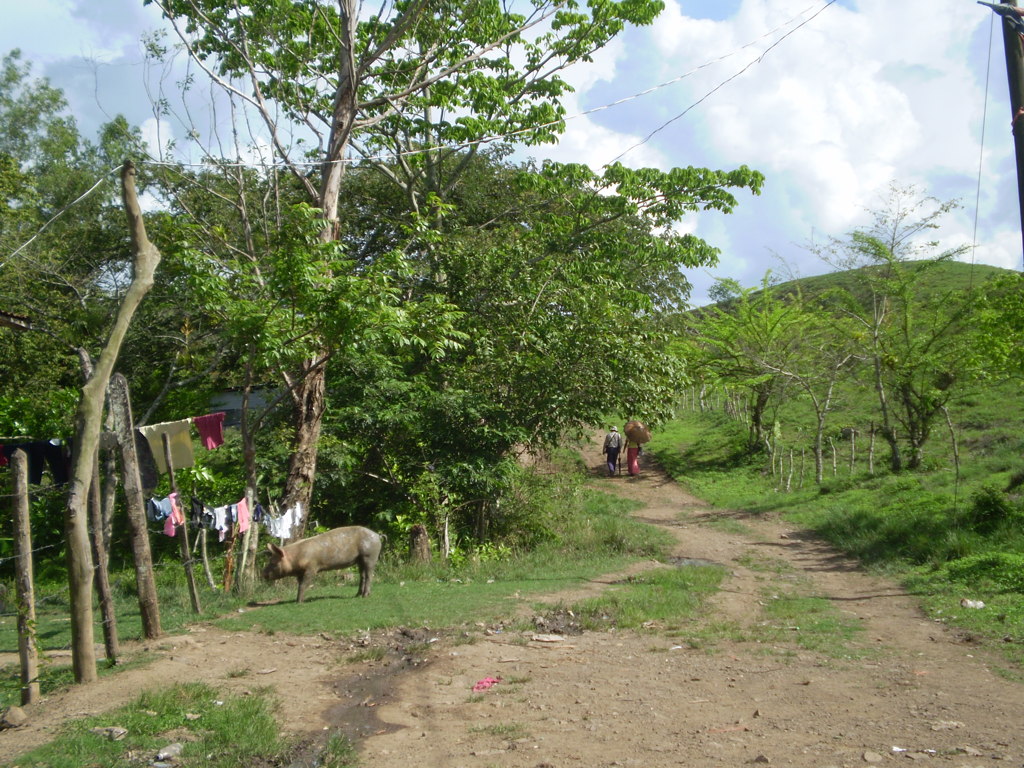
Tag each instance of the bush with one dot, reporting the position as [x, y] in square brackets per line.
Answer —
[990, 508]
[999, 571]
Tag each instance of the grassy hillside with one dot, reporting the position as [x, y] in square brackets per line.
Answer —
[952, 530]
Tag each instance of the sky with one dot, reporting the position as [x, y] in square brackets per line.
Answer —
[832, 100]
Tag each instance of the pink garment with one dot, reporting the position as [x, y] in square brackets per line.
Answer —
[211, 429]
[242, 515]
[176, 518]
[631, 453]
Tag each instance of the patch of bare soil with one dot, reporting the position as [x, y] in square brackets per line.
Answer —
[554, 697]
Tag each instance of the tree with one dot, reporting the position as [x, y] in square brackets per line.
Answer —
[919, 340]
[825, 347]
[750, 341]
[409, 75]
[87, 437]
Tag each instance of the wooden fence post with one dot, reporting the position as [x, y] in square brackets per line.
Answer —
[186, 554]
[27, 651]
[145, 584]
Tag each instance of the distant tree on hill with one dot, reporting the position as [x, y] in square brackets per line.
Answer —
[920, 344]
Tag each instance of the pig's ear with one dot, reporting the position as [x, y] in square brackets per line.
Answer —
[274, 549]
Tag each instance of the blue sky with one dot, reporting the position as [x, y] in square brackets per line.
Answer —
[860, 93]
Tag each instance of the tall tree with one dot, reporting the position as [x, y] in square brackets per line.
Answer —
[321, 69]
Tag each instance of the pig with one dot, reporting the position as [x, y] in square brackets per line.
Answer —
[339, 548]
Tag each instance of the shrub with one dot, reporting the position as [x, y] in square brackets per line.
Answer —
[990, 508]
[1001, 571]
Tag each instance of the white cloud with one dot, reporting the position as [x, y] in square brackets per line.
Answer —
[866, 92]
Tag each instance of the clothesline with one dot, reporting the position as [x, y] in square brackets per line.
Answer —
[55, 453]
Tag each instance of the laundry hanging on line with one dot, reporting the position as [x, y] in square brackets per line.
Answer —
[179, 440]
[41, 454]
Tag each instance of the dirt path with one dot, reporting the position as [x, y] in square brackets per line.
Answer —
[915, 690]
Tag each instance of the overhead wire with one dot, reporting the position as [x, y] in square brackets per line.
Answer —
[981, 149]
[61, 212]
[722, 84]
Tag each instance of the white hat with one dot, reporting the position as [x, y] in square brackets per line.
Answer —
[615, 429]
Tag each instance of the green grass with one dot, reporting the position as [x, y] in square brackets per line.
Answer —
[668, 598]
[810, 622]
[215, 732]
[945, 536]
[598, 537]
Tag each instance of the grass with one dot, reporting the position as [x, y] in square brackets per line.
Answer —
[668, 598]
[946, 536]
[214, 732]
[811, 622]
[599, 537]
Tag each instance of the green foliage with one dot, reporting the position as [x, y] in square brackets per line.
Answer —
[222, 730]
[991, 508]
[989, 571]
[668, 597]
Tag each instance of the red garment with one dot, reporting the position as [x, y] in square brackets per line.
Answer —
[631, 453]
[211, 429]
[242, 516]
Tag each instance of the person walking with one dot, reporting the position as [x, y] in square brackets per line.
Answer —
[633, 450]
[612, 446]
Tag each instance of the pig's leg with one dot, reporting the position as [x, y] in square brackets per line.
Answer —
[305, 579]
[365, 576]
[364, 586]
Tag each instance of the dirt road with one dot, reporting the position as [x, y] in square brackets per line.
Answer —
[914, 690]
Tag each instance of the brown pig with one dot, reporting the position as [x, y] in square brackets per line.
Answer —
[340, 548]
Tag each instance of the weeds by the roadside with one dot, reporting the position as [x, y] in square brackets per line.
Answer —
[948, 536]
[664, 597]
[212, 731]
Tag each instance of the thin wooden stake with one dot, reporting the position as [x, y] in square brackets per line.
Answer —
[186, 555]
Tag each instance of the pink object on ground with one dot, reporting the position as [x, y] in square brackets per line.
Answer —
[486, 683]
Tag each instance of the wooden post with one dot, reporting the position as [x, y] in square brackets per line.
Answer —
[1015, 79]
[99, 552]
[853, 450]
[186, 555]
[145, 583]
[27, 651]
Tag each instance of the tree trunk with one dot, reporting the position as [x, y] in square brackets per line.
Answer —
[419, 544]
[309, 406]
[87, 435]
[302, 465]
[106, 598]
[819, 459]
[247, 570]
[99, 548]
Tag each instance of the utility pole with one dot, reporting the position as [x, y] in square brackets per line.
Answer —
[1013, 30]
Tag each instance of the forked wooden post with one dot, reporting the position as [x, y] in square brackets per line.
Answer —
[186, 554]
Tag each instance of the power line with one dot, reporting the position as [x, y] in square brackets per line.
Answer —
[721, 85]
